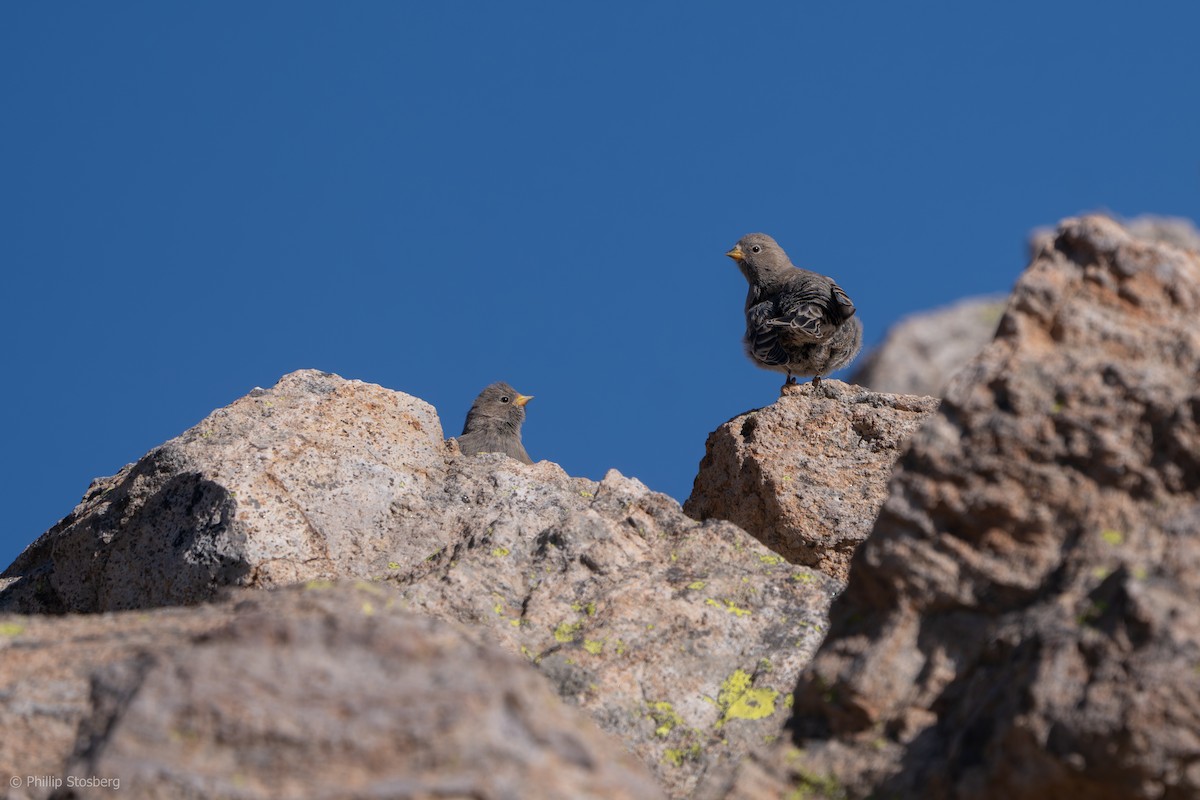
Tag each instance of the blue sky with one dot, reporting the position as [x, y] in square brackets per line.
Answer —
[199, 198]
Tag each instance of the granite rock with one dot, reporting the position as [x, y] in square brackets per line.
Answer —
[319, 691]
[808, 474]
[680, 638]
[316, 477]
[1020, 623]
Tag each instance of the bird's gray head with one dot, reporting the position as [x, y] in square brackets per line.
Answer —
[497, 406]
[759, 257]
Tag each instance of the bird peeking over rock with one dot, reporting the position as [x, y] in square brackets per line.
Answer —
[797, 322]
[494, 423]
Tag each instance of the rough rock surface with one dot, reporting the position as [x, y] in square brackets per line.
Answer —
[315, 477]
[808, 474]
[679, 637]
[1021, 622]
[922, 352]
[46, 668]
[1175, 231]
[324, 691]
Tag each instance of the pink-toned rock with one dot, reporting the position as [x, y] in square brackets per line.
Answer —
[807, 475]
[1021, 622]
[329, 691]
[922, 352]
[315, 477]
[680, 638]
[46, 669]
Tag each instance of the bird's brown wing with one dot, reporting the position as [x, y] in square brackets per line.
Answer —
[762, 334]
[842, 305]
[812, 307]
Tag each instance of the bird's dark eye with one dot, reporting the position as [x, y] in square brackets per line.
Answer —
[755, 249]
[505, 399]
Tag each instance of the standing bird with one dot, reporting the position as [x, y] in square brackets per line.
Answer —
[797, 322]
[494, 423]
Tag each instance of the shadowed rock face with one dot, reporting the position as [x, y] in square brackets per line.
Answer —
[313, 478]
[682, 638]
[807, 475]
[325, 691]
[1021, 622]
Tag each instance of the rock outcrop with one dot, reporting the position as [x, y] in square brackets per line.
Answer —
[922, 352]
[682, 638]
[318, 691]
[317, 477]
[808, 474]
[1021, 622]
[1175, 231]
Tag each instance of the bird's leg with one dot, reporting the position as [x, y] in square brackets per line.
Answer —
[790, 381]
[816, 381]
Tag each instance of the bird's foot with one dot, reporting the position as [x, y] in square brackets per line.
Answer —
[816, 381]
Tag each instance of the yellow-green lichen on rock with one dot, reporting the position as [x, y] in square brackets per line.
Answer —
[675, 756]
[739, 699]
[567, 631]
[11, 628]
[811, 786]
[729, 606]
[666, 717]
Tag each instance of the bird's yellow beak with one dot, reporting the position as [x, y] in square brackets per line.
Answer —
[522, 399]
[736, 253]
